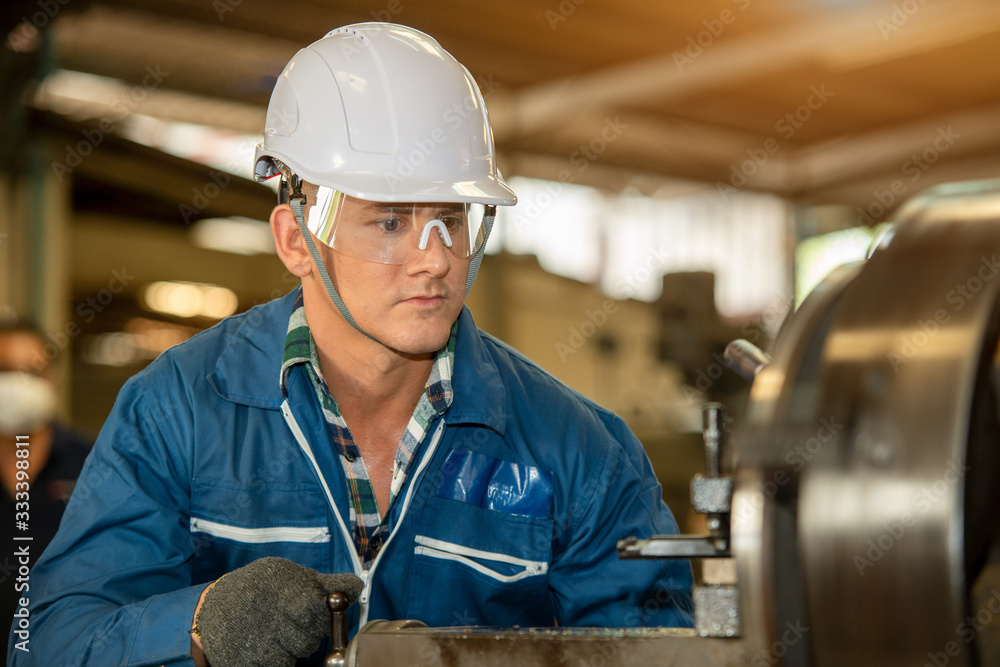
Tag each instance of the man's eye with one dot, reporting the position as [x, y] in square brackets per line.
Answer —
[391, 225]
[453, 221]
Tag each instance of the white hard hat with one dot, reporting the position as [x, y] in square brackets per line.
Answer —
[381, 112]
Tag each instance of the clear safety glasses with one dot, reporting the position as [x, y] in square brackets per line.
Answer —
[394, 233]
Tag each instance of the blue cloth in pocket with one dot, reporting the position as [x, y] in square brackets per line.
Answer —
[494, 484]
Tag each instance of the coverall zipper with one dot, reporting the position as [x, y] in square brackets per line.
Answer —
[365, 575]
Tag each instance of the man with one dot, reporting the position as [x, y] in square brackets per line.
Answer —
[40, 457]
[361, 425]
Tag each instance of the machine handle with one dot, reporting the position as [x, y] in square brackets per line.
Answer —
[745, 358]
[337, 604]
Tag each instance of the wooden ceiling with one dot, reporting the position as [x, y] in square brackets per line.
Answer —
[824, 101]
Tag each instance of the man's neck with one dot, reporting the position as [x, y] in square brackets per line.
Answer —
[365, 377]
[382, 384]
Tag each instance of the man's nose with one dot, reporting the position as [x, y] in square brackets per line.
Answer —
[432, 249]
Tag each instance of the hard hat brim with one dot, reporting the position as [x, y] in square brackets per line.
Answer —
[378, 187]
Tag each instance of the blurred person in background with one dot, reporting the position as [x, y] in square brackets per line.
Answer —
[359, 434]
[49, 456]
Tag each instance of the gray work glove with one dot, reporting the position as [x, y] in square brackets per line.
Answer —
[268, 613]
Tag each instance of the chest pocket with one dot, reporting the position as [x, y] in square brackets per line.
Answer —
[234, 524]
[481, 555]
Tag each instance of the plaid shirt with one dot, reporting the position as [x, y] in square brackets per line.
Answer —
[366, 524]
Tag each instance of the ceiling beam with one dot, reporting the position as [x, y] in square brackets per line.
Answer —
[875, 198]
[904, 150]
[678, 74]
[671, 146]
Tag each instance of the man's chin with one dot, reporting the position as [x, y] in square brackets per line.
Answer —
[412, 353]
[422, 344]
[415, 333]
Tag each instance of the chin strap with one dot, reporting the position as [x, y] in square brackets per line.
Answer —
[298, 202]
[489, 215]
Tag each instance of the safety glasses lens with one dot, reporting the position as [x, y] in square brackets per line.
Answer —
[393, 233]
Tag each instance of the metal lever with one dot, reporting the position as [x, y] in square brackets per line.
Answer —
[711, 495]
[337, 604]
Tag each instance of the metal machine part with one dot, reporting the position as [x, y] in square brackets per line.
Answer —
[716, 602]
[711, 495]
[383, 646]
[866, 495]
[745, 358]
[863, 518]
[337, 604]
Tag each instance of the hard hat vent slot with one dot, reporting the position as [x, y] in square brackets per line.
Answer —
[366, 95]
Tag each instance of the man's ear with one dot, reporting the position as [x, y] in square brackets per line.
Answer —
[288, 241]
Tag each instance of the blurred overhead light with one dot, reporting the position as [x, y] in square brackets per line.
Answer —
[83, 95]
[185, 299]
[112, 349]
[141, 341]
[242, 236]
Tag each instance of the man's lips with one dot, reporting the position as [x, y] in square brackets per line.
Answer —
[426, 299]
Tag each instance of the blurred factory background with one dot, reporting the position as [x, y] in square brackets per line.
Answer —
[687, 172]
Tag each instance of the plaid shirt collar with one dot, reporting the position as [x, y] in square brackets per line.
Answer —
[366, 522]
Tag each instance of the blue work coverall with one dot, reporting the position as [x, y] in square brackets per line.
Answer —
[509, 515]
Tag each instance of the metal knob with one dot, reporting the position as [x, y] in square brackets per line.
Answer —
[745, 358]
[337, 604]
